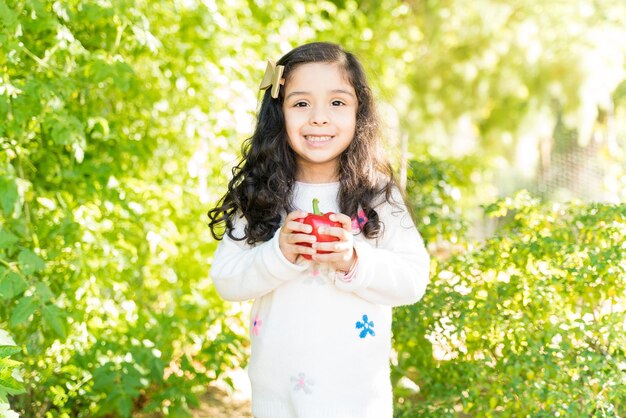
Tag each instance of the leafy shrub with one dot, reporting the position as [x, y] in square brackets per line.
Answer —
[530, 323]
[104, 255]
[441, 194]
[11, 382]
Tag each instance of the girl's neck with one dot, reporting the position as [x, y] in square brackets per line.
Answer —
[317, 176]
[317, 179]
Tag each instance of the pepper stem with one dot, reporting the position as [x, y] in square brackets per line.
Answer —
[316, 207]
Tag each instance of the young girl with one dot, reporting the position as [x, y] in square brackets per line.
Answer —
[321, 321]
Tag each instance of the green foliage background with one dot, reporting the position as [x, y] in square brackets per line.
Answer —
[120, 121]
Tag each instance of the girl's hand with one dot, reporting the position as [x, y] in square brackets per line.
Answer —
[342, 255]
[293, 232]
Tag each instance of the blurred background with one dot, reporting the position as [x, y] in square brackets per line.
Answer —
[120, 122]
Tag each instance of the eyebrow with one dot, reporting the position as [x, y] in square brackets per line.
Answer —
[295, 93]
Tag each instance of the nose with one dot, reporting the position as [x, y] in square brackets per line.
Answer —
[319, 116]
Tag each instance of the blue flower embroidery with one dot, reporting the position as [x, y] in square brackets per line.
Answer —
[365, 327]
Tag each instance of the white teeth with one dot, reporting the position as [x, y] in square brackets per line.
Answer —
[318, 138]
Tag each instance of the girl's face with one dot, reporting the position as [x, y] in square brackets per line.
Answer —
[320, 117]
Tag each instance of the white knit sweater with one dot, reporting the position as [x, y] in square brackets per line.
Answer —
[321, 346]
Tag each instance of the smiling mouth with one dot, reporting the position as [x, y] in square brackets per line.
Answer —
[318, 138]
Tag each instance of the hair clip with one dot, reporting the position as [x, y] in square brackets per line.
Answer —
[273, 77]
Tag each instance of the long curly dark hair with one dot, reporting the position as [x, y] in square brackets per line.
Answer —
[261, 188]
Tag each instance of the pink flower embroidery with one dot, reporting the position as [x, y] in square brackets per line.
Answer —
[256, 324]
[359, 220]
[301, 382]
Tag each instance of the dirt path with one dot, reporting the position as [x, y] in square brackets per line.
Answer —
[216, 403]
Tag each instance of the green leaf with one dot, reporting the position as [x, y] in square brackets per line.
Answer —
[24, 309]
[8, 350]
[7, 239]
[66, 129]
[43, 291]
[12, 285]
[54, 317]
[99, 71]
[8, 195]
[7, 363]
[28, 104]
[179, 410]
[4, 110]
[8, 17]
[8, 384]
[98, 128]
[104, 378]
[124, 406]
[30, 262]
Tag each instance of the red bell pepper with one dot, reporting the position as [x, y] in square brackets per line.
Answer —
[318, 219]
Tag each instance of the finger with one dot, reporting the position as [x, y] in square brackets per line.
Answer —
[296, 238]
[301, 249]
[335, 247]
[295, 226]
[344, 220]
[292, 225]
[328, 258]
[334, 231]
[296, 214]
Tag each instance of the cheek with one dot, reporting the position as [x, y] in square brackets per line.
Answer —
[290, 120]
[291, 134]
[351, 125]
[290, 130]
[350, 118]
[290, 140]
[293, 124]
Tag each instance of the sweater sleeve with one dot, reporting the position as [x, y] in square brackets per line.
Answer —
[396, 271]
[241, 272]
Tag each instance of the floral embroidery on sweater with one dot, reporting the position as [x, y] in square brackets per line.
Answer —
[366, 327]
[315, 271]
[318, 274]
[256, 325]
[302, 383]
